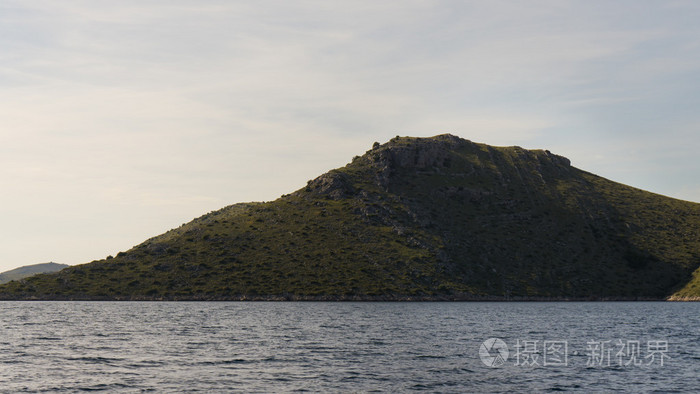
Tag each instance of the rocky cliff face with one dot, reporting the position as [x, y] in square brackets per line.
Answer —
[437, 155]
[334, 185]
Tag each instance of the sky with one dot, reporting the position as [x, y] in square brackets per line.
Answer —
[120, 120]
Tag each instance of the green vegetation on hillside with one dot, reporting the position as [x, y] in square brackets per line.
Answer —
[417, 218]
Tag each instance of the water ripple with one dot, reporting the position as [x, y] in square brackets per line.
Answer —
[336, 347]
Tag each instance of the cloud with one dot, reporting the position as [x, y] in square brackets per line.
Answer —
[131, 117]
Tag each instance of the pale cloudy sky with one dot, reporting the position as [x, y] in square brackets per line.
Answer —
[122, 119]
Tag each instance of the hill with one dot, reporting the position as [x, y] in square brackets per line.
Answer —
[29, 270]
[414, 218]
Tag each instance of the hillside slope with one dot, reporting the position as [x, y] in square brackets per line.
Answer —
[415, 218]
[29, 270]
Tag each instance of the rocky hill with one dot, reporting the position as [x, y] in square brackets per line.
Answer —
[414, 218]
[29, 270]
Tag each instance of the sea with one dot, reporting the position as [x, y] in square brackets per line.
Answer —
[272, 347]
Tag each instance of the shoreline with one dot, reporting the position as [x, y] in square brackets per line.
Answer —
[349, 298]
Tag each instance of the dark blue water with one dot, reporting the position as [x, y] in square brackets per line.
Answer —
[343, 347]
